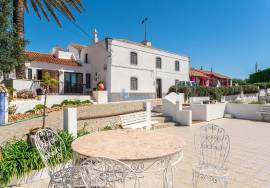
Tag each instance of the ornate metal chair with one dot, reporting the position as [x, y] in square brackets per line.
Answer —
[103, 172]
[212, 146]
[53, 153]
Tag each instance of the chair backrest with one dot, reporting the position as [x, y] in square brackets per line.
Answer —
[213, 146]
[133, 118]
[101, 172]
[51, 148]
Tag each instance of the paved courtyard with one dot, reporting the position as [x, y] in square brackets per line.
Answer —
[249, 160]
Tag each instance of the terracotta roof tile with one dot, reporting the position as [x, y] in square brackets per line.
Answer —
[49, 58]
[194, 72]
[209, 73]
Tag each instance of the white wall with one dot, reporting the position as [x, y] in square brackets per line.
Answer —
[98, 58]
[25, 105]
[172, 107]
[207, 112]
[244, 111]
[145, 70]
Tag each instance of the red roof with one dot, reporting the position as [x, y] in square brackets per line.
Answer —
[212, 74]
[49, 58]
[194, 72]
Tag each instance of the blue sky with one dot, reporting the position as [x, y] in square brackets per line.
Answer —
[228, 35]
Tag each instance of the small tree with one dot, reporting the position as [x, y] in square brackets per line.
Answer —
[47, 82]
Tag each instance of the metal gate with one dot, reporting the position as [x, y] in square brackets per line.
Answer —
[2, 108]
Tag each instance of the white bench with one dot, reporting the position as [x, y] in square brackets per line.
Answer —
[137, 120]
[264, 110]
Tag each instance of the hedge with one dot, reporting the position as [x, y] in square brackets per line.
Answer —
[261, 76]
[263, 85]
[215, 93]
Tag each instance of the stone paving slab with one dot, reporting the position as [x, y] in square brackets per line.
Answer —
[249, 160]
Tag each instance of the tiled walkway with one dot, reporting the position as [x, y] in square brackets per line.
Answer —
[249, 160]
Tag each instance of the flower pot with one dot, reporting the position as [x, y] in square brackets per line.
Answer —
[100, 87]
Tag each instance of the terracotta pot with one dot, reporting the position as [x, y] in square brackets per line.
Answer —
[100, 86]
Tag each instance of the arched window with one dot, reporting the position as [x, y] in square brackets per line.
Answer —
[133, 58]
[158, 63]
[177, 66]
[133, 83]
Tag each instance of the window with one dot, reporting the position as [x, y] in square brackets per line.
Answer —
[158, 63]
[133, 83]
[177, 66]
[133, 58]
[29, 74]
[88, 81]
[86, 58]
[39, 74]
[73, 82]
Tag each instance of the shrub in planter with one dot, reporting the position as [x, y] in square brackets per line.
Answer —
[26, 94]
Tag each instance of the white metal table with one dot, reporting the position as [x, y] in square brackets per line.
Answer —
[144, 150]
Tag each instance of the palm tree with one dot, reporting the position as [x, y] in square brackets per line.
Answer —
[46, 8]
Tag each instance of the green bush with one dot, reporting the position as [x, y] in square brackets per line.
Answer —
[257, 102]
[263, 85]
[250, 89]
[107, 128]
[39, 107]
[86, 102]
[261, 76]
[18, 158]
[70, 102]
[214, 93]
[236, 102]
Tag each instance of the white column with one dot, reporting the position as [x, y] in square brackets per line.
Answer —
[148, 113]
[70, 121]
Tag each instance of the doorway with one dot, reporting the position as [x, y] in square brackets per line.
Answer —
[159, 88]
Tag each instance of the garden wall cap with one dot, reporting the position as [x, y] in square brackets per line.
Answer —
[3, 89]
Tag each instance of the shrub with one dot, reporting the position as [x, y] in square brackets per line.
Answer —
[214, 93]
[250, 89]
[12, 109]
[86, 102]
[107, 128]
[263, 85]
[38, 107]
[18, 158]
[26, 94]
[70, 102]
[236, 102]
[56, 106]
[257, 102]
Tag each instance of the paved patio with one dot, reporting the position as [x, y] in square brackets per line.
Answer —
[249, 160]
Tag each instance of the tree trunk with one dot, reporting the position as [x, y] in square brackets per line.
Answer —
[44, 108]
[18, 21]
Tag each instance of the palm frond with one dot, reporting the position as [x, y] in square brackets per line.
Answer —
[50, 6]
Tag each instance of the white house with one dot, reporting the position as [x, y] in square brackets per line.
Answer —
[74, 77]
[132, 70]
[129, 70]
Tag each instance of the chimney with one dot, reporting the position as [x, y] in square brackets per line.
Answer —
[55, 51]
[211, 69]
[201, 67]
[95, 36]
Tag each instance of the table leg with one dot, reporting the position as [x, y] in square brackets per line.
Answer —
[168, 176]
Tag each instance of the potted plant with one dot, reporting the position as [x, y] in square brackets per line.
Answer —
[100, 86]
[46, 83]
